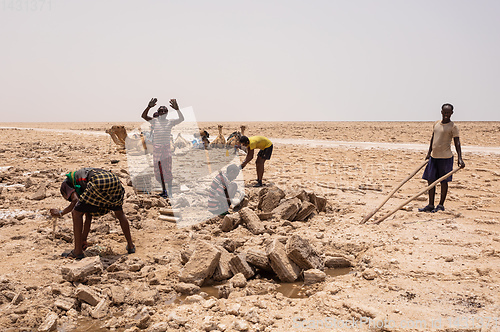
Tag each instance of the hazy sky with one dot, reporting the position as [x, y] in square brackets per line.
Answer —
[331, 60]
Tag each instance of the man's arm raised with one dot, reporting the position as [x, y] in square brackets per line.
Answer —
[151, 104]
[175, 106]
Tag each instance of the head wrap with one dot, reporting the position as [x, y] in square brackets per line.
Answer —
[72, 180]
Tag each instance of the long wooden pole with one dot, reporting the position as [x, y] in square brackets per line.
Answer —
[432, 185]
[368, 216]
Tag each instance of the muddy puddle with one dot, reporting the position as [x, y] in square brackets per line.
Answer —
[299, 290]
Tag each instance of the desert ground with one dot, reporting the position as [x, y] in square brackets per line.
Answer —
[412, 272]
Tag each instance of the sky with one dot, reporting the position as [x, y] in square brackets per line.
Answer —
[259, 60]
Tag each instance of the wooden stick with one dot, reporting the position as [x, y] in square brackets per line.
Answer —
[368, 216]
[168, 218]
[169, 211]
[420, 193]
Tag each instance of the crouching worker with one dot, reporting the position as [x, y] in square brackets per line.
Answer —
[92, 192]
[223, 192]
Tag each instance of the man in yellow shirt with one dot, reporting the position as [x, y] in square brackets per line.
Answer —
[266, 150]
[440, 156]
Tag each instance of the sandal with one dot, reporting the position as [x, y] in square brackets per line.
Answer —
[71, 254]
[428, 208]
[438, 208]
[130, 250]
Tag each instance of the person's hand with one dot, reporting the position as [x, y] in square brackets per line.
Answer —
[173, 104]
[55, 213]
[152, 102]
[242, 166]
[427, 156]
[461, 163]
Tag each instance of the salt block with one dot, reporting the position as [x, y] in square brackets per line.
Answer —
[201, 264]
[288, 209]
[239, 264]
[303, 254]
[283, 266]
[269, 198]
[313, 276]
[252, 221]
[305, 211]
[80, 270]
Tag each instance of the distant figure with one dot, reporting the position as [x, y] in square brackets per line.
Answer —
[266, 150]
[223, 191]
[92, 192]
[440, 156]
[162, 136]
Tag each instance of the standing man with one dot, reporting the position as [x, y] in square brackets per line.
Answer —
[266, 150]
[162, 133]
[441, 158]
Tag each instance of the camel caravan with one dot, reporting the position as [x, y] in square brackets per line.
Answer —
[142, 142]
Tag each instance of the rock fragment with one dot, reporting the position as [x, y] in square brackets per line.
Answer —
[40, 193]
[303, 254]
[65, 303]
[337, 261]
[49, 323]
[252, 221]
[313, 276]
[81, 270]
[269, 198]
[239, 264]
[201, 264]
[87, 294]
[223, 269]
[283, 266]
[258, 258]
[229, 222]
[288, 209]
[186, 289]
[100, 310]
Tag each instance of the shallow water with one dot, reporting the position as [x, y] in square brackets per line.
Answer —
[299, 290]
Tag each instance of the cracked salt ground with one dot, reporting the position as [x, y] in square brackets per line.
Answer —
[403, 269]
[19, 213]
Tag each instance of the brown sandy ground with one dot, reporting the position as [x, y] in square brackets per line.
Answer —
[417, 271]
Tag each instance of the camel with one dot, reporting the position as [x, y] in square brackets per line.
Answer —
[131, 144]
[219, 141]
[234, 138]
[180, 142]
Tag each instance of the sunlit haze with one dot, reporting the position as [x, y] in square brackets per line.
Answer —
[250, 60]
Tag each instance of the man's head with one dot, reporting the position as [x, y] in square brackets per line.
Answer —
[232, 172]
[446, 112]
[66, 190]
[244, 141]
[162, 110]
